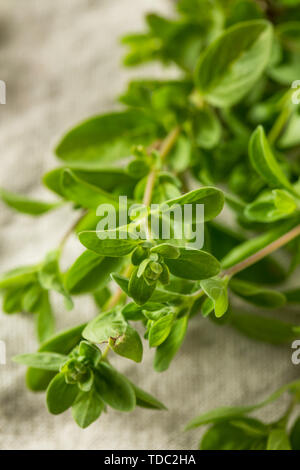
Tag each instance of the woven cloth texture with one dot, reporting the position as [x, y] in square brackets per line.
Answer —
[61, 63]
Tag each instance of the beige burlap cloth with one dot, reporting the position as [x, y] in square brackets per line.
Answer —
[61, 63]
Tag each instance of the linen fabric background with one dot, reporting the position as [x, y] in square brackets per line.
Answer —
[61, 63]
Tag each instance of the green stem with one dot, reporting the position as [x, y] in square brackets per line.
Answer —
[71, 230]
[282, 119]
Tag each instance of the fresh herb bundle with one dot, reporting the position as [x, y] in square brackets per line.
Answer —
[226, 130]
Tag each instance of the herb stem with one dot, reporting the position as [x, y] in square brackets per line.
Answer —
[165, 147]
[149, 188]
[274, 246]
[169, 143]
[71, 230]
[105, 352]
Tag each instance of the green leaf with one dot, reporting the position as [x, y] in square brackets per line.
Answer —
[107, 325]
[206, 129]
[106, 138]
[226, 436]
[168, 349]
[232, 64]
[194, 264]
[295, 435]
[288, 31]
[87, 408]
[268, 330]
[160, 330]
[292, 295]
[270, 207]
[84, 194]
[249, 247]
[290, 136]
[25, 205]
[138, 289]
[101, 297]
[223, 240]
[159, 295]
[264, 162]
[112, 245]
[13, 301]
[128, 345]
[227, 413]
[42, 360]
[45, 318]
[145, 400]
[257, 295]
[216, 290]
[18, 277]
[166, 250]
[62, 343]
[32, 298]
[50, 277]
[211, 198]
[60, 395]
[90, 272]
[278, 440]
[109, 179]
[114, 388]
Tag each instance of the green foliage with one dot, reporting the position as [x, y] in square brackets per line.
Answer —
[231, 65]
[224, 132]
[25, 205]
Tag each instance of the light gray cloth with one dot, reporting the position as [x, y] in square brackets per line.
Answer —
[61, 63]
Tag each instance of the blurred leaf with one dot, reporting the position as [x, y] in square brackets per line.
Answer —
[42, 360]
[245, 50]
[257, 295]
[90, 272]
[138, 289]
[278, 440]
[106, 138]
[107, 325]
[160, 330]
[25, 205]
[207, 129]
[45, 318]
[268, 330]
[295, 435]
[264, 162]
[271, 206]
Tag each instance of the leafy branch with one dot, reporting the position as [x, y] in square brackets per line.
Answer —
[227, 126]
